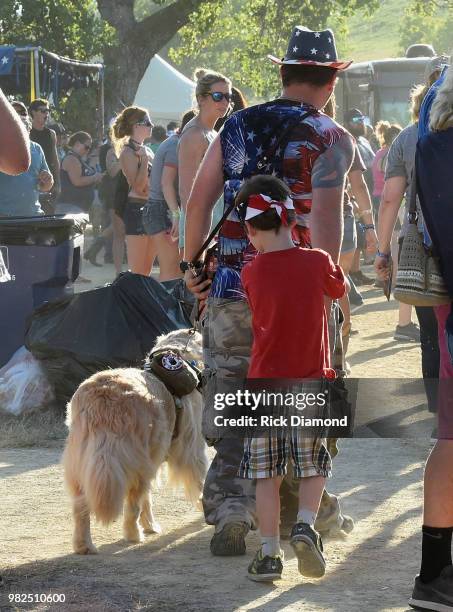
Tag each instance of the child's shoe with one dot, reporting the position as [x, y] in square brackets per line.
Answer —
[307, 545]
[265, 568]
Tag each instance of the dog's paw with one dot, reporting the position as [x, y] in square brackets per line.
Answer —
[133, 534]
[85, 549]
[153, 527]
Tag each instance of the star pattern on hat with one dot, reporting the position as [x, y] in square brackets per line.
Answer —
[5, 60]
[311, 47]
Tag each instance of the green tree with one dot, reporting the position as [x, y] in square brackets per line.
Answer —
[235, 36]
[68, 27]
[85, 29]
[431, 22]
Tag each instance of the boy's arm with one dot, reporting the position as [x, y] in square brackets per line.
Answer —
[334, 279]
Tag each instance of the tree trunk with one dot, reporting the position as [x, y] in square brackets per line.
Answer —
[138, 42]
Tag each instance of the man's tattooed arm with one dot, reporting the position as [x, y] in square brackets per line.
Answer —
[328, 179]
[331, 168]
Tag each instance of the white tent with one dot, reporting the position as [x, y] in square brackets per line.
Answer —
[164, 91]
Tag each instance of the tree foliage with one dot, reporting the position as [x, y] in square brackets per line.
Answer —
[430, 22]
[71, 28]
[235, 36]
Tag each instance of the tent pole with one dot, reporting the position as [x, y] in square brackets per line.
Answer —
[36, 62]
[101, 103]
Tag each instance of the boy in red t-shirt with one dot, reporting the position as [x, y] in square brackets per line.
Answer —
[286, 288]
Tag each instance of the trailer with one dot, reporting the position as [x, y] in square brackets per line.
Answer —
[380, 88]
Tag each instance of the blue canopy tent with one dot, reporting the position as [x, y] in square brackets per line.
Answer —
[33, 72]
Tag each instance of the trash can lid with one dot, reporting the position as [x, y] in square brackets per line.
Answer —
[13, 230]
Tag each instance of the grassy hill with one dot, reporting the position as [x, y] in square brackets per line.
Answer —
[379, 35]
[376, 36]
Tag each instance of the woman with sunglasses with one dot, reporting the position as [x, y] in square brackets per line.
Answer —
[213, 96]
[129, 131]
[78, 179]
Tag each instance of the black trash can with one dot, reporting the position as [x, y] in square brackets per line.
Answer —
[42, 255]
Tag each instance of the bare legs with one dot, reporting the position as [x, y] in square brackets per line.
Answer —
[140, 254]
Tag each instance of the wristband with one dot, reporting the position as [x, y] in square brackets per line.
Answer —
[384, 255]
[367, 226]
[176, 214]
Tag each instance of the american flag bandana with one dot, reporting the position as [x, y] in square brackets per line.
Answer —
[259, 203]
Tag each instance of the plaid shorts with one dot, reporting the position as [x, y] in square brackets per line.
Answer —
[267, 457]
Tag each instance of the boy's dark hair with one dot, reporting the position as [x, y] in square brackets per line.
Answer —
[159, 133]
[272, 187]
[318, 76]
[38, 103]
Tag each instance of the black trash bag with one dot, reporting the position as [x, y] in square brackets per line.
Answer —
[109, 327]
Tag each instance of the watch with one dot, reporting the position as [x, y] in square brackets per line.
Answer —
[190, 265]
[367, 226]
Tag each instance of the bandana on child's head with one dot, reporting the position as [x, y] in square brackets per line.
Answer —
[259, 203]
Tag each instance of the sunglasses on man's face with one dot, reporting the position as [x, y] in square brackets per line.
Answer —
[145, 123]
[218, 96]
[44, 111]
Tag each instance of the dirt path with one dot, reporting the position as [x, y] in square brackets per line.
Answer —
[371, 570]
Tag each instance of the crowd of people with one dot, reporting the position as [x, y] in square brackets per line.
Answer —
[315, 199]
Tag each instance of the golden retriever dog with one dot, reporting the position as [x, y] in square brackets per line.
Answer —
[121, 430]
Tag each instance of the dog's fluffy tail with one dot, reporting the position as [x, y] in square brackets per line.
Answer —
[105, 445]
[187, 459]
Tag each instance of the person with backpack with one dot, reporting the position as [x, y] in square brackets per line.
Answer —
[291, 138]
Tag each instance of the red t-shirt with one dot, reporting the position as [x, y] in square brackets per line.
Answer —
[285, 291]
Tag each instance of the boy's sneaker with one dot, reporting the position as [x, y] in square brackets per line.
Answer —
[230, 541]
[435, 595]
[265, 568]
[307, 545]
[407, 333]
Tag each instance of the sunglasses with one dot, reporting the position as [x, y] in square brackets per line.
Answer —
[44, 111]
[21, 113]
[218, 96]
[358, 119]
[146, 123]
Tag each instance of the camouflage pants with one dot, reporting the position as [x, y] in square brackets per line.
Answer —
[227, 342]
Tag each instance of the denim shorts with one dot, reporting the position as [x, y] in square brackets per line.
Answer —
[156, 217]
[133, 217]
[349, 235]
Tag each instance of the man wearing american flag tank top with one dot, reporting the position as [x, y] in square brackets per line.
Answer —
[290, 138]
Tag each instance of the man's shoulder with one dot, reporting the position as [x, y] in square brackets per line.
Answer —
[407, 134]
[36, 148]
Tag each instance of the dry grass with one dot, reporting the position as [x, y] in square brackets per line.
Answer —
[44, 428]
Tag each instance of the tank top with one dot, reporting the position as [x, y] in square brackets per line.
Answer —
[44, 138]
[70, 193]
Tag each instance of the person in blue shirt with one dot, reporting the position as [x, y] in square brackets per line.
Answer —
[425, 109]
[19, 195]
